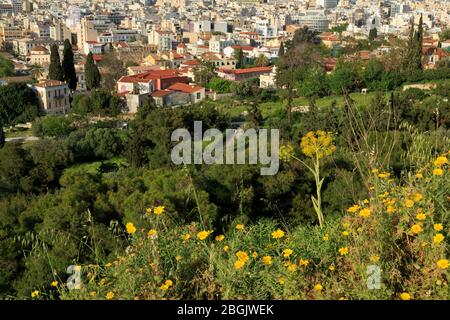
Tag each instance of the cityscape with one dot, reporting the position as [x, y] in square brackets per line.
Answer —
[102, 198]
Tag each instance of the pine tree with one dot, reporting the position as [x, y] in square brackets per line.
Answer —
[68, 66]
[91, 73]
[55, 71]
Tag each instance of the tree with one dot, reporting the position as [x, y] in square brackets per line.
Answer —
[238, 55]
[445, 35]
[6, 67]
[373, 73]
[281, 50]
[55, 71]
[51, 126]
[261, 61]
[412, 59]
[68, 67]
[288, 67]
[373, 33]
[418, 45]
[91, 73]
[344, 78]
[204, 73]
[305, 35]
[113, 69]
[18, 104]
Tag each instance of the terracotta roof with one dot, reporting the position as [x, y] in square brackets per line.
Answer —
[97, 57]
[190, 63]
[244, 48]
[161, 93]
[246, 70]
[150, 75]
[39, 49]
[50, 83]
[181, 45]
[183, 87]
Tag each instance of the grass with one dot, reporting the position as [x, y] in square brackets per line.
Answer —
[235, 108]
[18, 132]
[93, 167]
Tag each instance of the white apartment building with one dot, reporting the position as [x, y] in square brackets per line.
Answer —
[217, 45]
[163, 39]
[53, 96]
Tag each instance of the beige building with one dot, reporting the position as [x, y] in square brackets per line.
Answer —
[53, 96]
[9, 32]
[39, 56]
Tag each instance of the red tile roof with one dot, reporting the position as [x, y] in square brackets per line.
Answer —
[246, 70]
[50, 83]
[161, 93]
[150, 75]
[183, 87]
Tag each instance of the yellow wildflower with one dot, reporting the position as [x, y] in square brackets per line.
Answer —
[438, 238]
[168, 282]
[186, 237]
[220, 237]
[110, 295]
[278, 234]
[287, 253]
[164, 287]
[255, 254]
[239, 226]
[421, 216]
[281, 280]
[438, 172]
[302, 262]
[326, 237]
[318, 287]
[409, 203]
[319, 143]
[442, 264]
[353, 208]
[405, 296]
[226, 248]
[159, 210]
[267, 260]
[416, 228]
[343, 251]
[238, 264]
[419, 175]
[365, 213]
[440, 161]
[178, 258]
[384, 175]
[54, 283]
[374, 258]
[242, 255]
[390, 209]
[292, 267]
[130, 228]
[345, 233]
[35, 293]
[331, 267]
[202, 235]
[152, 234]
[438, 227]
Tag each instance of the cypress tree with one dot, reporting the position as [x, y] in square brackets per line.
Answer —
[68, 66]
[91, 73]
[419, 44]
[281, 50]
[55, 71]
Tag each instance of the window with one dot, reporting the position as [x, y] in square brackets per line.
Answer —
[199, 95]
